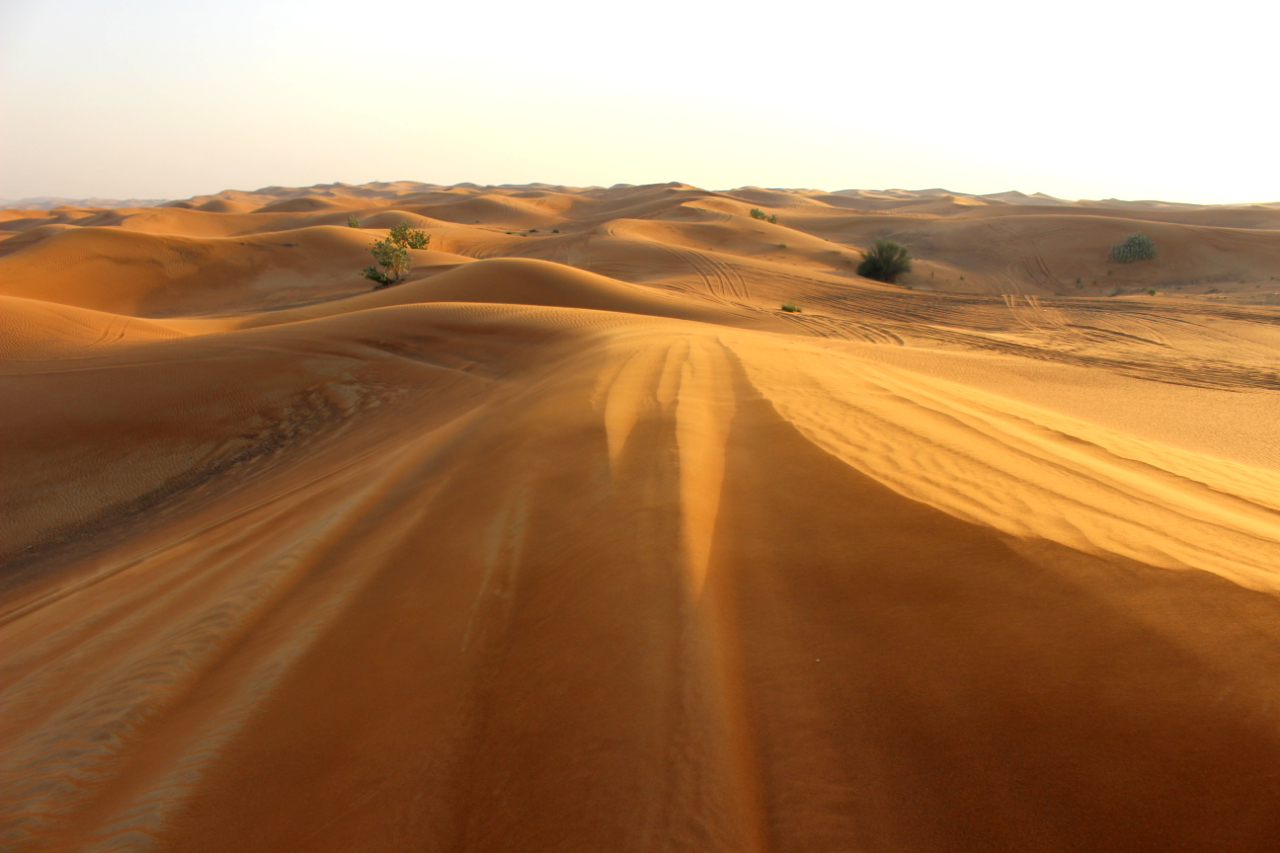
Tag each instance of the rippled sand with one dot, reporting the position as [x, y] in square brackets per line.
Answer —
[575, 541]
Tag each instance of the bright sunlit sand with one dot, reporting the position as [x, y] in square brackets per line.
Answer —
[573, 539]
[495, 479]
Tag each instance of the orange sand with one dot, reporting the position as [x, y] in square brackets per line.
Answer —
[574, 541]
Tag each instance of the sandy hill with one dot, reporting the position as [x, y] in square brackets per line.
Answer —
[573, 540]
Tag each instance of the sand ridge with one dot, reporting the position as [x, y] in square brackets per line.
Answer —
[574, 540]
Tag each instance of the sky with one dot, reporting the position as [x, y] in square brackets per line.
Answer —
[171, 99]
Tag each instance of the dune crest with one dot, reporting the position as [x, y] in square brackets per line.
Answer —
[575, 539]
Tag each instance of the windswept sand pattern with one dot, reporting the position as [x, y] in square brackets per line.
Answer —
[574, 540]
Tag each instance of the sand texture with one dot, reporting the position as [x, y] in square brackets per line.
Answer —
[575, 541]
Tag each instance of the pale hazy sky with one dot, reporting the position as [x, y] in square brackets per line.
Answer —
[169, 99]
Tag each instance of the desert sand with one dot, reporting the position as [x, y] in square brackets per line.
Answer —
[575, 541]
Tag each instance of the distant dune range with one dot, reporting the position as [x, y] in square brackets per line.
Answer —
[575, 541]
[50, 203]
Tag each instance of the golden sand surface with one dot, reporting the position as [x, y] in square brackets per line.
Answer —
[575, 541]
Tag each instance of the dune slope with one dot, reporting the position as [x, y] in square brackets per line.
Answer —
[574, 541]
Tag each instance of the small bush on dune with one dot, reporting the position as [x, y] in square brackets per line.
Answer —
[403, 235]
[353, 221]
[393, 254]
[1136, 247]
[791, 307]
[885, 262]
[757, 213]
[774, 219]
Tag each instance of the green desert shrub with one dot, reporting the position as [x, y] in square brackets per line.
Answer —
[791, 307]
[774, 219]
[377, 276]
[403, 235]
[757, 213]
[390, 255]
[1136, 247]
[885, 262]
[353, 221]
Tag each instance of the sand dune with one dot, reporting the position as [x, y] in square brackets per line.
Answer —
[573, 540]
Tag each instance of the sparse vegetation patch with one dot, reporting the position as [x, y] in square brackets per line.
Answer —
[1136, 247]
[791, 307]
